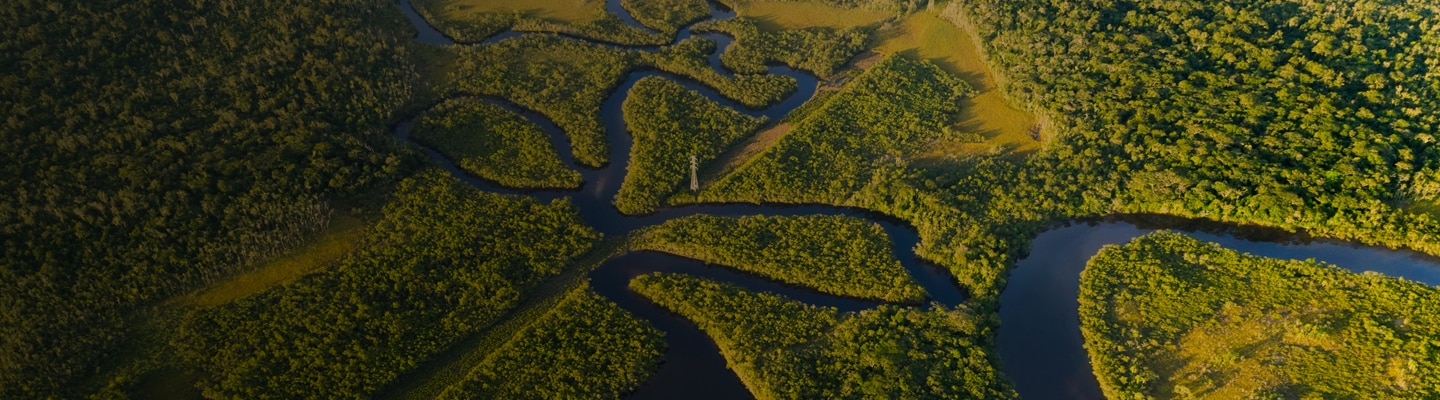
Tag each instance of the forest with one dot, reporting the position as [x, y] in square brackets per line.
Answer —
[445, 260]
[153, 146]
[568, 80]
[584, 348]
[164, 147]
[822, 51]
[783, 348]
[494, 143]
[844, 256]
[1170, 316]
[671, 124]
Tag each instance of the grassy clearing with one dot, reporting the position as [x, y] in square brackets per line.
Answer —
[560, 11]
[469, 21]
[775, 16]
[1170, 316]
[342, 236]
[925, 35]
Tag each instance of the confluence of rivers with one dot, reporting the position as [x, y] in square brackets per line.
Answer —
[1039, 342]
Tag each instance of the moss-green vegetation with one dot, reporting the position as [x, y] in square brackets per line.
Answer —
[667, 15]
[339, 239]
[845, 256]
[782, 348]
[444, 261]
[892, 109]
[1169, 316]
[688, 59]
[1200, 109]
[821, 51]
[568, 80]
[988, 124]
[586, 347]
[670, 124]
[162, 145]
[775, 16]
[494, 143]
[471, 21]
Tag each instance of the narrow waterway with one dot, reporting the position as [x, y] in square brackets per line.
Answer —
[693, 366]
[1039, 339]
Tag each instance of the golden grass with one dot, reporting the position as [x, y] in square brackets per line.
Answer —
[925, 35]
[341, 237]
[738, 154]
[782, 15]
[561, 11]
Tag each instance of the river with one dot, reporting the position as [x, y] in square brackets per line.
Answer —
[1039, 340]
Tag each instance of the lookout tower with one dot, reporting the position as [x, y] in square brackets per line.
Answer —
[694, 174]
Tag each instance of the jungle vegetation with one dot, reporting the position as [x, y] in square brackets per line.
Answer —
[154, 146]
[670, 124]
[891, 109]
[568, 80]
[839, 255]
[1170, 316]
[667, 16]
[783, 348]
[821, 51]
[444, 261]
[494, 143]
[585, 347]
[473, 21]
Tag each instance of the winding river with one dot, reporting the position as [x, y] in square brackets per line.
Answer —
[1039, 341]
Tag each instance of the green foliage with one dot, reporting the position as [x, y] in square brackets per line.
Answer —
[1313, 116]
[151, 146]
[840, 255]
[1171, 316]
[670, 124]
[444, 261]
[477, 26]
[821, 51]
[494, 143]
[584, 348]
[568, 80]
[667, 15]
[688, 59]
[893, 108]
[783, 348]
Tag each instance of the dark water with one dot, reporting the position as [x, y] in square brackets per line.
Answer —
[1039, 339]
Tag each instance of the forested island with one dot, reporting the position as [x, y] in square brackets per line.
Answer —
[773, 198]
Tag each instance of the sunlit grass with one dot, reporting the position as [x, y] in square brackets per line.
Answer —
[342, 236]
[781, 15]
[562, 11]
[925, 35]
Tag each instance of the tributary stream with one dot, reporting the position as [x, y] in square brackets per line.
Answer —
[1039, 341]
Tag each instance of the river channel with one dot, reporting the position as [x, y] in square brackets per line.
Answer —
[1039, 341]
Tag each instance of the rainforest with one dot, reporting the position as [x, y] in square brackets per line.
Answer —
[771, 199]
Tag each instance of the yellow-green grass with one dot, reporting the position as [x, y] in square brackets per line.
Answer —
[781, 15]
[925, 35]
[561, 11]
[342, 236]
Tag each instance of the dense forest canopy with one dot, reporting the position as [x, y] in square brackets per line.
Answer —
[154, 145]
[1170, 316]
[1317, 115]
